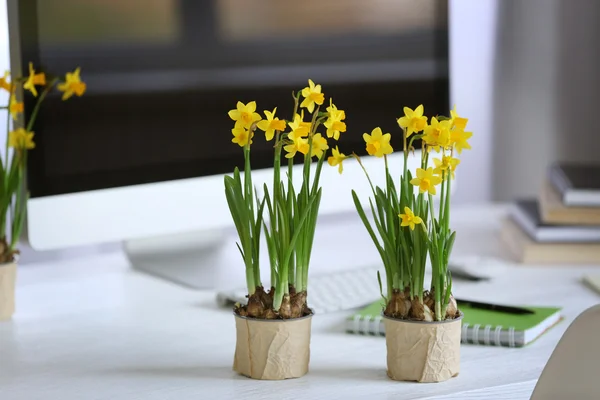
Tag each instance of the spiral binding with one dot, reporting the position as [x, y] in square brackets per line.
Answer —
[474, 334]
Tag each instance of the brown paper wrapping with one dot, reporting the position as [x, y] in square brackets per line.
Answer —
[422, 351]
[8, 278]
[272, 349]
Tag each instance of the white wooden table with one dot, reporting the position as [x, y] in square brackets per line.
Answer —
[91, 328]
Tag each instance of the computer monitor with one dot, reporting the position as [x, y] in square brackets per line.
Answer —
[142, 155]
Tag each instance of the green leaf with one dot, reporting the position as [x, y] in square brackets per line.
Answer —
[381, 287]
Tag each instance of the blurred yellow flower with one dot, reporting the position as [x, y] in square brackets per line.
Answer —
[409, 219]
[312, 94]
[15, 107]
[378, 144]
[457, 122]
[447, 163]
[334, 122]
[241, 135]
[21, 139]
[319, 145]
[33, 80]
[336, 158]
[426, 180]
[437, 134]
[299, 144]
[245, 114]
[72, 85]
[299, 127]
[5, 84]
[458, 139]
[413, 121]
[271, 124]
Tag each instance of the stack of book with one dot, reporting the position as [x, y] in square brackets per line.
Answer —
[563, 224]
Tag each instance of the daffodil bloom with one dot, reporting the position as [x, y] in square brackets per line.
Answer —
[334, 122]
[241, 135]
[299, 127]
[437, 134]
[245, 114]
[72, 85]
[413, 121]
[21, 139]
[409, 219]
[33, 80]
[336, 158]
[299, 144]
[271, 124]
[458, 139]
[378, 144]
[5, 84]
[319, 145]
[312, 94]
[447, 163]
[426, 180]
[15, 107]
[458, 122]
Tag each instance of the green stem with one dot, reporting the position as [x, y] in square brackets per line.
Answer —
[38, 104]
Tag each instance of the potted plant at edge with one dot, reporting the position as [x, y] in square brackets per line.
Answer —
[13, 167]
[273, 328]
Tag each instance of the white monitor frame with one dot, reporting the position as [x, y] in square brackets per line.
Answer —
[178, 206]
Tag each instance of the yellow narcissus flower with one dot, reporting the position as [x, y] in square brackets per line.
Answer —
[15, 107]
[378, 144]
[299, 144]
[437, 134]
[334, 122]
[245, 114]
[457, 122]
[336, 158]
[409, 219]
[21, 139]
[447, 163]
[33, 80]
[5, 84]
[413, 121]
[458, 138]
[271, 124]
[299, 127]
[319, 145]
[426, 180]
[241, 135]
[72, 85]
[312, 94]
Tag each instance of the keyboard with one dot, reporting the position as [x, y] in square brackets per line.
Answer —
[343, 290]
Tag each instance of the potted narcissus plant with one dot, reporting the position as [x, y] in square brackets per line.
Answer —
[422, 321]
[13, 166]
[273, 327]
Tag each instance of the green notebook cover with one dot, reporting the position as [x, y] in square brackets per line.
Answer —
[479, 325]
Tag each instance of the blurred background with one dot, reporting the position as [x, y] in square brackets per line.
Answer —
[526, 74]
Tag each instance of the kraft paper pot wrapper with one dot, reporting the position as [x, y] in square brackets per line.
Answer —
[423, 351]
[8, 278]
[272, 349]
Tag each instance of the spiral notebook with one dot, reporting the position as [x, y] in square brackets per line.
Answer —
[479, 326]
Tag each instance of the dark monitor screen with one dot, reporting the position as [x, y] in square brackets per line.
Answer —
[162, 74]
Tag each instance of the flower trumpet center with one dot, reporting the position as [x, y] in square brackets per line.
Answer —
[245, 117]
[373, 147]
[424, 184]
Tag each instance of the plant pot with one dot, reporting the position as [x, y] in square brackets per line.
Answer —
[8, 279]
[272, 349]
[422, 351]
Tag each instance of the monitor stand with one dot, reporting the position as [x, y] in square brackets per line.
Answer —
[188, 259]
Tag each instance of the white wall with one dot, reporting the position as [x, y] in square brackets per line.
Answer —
[545, 92]
[472, 56]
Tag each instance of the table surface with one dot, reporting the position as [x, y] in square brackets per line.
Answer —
[92, 328]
